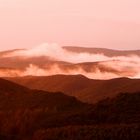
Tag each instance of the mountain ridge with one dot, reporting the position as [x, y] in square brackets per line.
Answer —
[105, 51]
[86, 90]
[39, 115]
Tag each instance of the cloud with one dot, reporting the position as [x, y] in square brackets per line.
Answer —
[56, 52]
[106, 68]
[111, 70]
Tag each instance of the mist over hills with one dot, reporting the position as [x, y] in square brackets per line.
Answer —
[105, 51]
[93, 50]
[48, 60]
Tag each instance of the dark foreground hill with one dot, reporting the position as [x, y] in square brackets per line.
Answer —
[110, 119]
[14, 96]
[38, 115]
[86, 90]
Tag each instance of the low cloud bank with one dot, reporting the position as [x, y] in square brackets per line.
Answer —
[56, 52]
[107, 67]
[105, 70]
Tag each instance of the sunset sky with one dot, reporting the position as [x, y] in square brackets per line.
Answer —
[90, 23]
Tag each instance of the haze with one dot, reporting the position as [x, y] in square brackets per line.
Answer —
[88, 23]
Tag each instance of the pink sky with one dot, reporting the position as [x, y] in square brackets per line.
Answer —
[93, 23]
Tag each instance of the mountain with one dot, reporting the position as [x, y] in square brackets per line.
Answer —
[13, 96]
[121, 108]
[105, 51]
[24, 110]
[36, 114]
[16, 62]
[8, 52]
[86, 90]
[93, 50]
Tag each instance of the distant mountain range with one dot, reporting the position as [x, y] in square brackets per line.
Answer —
[106, 52]
[12, 65]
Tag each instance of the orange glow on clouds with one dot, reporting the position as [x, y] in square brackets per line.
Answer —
[70, 63]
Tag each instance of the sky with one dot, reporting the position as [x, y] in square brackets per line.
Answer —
[111, 24]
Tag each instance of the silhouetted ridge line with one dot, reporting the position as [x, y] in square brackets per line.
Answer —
[86, 90]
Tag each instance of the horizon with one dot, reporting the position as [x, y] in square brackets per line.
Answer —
[88, 47]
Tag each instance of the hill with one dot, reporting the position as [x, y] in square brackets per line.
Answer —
[105, 51]
[34, 114]
[114, 119]
[14, 96]
[86, 90]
